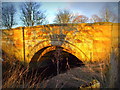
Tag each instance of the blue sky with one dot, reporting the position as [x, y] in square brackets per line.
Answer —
[84, 8]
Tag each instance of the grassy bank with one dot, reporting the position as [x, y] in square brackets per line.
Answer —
[16, 75]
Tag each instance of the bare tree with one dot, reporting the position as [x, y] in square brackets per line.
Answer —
[80, 19]
[8, 13]
[95, 18]
[107, 15]
[63, 16]
[31, 14]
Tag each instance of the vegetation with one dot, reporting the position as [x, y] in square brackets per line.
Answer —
[16, 75]
[8, 16]
[107, 15]
[95, 18]
[63, 17]
[31, 14]
[80, 19]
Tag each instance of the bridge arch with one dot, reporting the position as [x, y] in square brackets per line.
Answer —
[42, 45]
[45, 46]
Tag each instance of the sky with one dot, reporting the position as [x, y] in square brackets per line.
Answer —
[84, 8]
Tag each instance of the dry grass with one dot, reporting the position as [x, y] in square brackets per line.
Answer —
[113, 70]
[100, 69]
[16, 75]
[106, 70]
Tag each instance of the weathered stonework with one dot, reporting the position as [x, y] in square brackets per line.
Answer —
[88, 42]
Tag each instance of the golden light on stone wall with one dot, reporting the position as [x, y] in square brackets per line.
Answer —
[87, 42]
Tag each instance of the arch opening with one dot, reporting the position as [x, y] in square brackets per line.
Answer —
[37, 54]
[56, 62]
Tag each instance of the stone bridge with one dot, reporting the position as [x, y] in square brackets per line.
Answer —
[88, 42]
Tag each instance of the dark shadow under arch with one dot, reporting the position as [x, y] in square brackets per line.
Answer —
[37, 54]
[48, 64]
